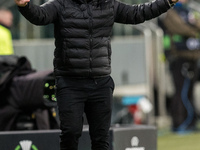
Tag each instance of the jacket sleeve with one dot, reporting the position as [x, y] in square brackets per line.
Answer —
[135, 14]
[41, 15]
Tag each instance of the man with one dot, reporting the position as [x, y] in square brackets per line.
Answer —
[82, 59]
[182, 48]
[6, 18]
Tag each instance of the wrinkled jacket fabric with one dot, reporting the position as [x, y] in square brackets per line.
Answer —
[83, 29]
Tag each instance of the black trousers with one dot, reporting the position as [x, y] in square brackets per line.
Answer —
[92, 96]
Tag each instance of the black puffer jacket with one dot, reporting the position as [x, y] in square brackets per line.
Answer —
[82, 31]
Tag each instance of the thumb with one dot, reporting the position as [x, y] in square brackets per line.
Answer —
[22, 3]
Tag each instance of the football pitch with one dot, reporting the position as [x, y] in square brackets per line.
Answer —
[173, 141]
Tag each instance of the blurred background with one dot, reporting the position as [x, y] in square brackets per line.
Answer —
[144, 81]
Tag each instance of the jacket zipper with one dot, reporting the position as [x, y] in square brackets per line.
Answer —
[90, 38]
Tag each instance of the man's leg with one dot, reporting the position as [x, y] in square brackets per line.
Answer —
[98, 111]
[71, 107]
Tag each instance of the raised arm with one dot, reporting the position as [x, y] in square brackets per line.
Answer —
[39, 15]
[135, 14]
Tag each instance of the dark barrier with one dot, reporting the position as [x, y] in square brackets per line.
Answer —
[126, 137]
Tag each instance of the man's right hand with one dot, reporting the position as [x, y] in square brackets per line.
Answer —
[22, 3]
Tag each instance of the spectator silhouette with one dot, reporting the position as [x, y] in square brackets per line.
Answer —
[182, 50]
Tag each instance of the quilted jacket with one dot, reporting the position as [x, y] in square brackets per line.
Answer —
[83, 31]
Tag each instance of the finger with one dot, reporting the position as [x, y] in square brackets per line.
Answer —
[22, 3]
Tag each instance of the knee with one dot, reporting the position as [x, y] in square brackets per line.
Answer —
[72, 131]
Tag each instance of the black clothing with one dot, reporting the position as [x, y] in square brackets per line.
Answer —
[83, 30]
[82, 62]
[92, 96]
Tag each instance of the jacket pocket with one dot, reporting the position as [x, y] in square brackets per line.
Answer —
[66, 59]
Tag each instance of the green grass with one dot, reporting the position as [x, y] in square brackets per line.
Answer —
[172, 141]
